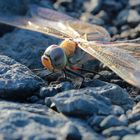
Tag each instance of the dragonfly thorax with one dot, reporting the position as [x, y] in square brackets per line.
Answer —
[75, 55]
[69, 47]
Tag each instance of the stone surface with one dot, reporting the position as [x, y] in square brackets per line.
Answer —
[136, 108]
[117, 110]
[14, 7]
[112, 30]
[71, 132]
[135, 126]
[54, 89]
[134, 117]
[137, 98]
[94, 83]
[110, 121]
[114, 138]
[117, 131]
[16, 80]
[116, 94]
[30, 121]
[47, 92]
[134, 3]
[123, 118]
[81, 102]
[93, 6]
[131, 137]
[128, 16]
[87, 17]
[94, 121]
[114, 6]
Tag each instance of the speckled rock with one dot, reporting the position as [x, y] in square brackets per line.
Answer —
[136, 108]
[116, 94]
[123, 118]
[47, 92]
[114, 138]
[87, 17]
[82, 102]
[135, 113]
[135, 126]
[93, 6]
[27, 121]
[117, 110]
[117, 131]
[128, 16]
[114, 6]
[14, 7]
[134, 117]
[71, 132]
[110, 121]
[54, 89]
[16, 80]
[134, 3]
[94, 121]
[94, 83]
[131, 137]
[137, 98]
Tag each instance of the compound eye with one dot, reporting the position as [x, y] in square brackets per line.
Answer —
[50, 48]
[58, 58]
[47, 63]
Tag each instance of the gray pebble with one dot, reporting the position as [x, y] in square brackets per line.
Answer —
[123, 118]
[117, 131]
[117, 110]
[111, 121]
[131, 137]
[17, 81]
[82, 102]
[71, 132]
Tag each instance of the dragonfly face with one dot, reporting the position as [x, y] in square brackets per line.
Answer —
[54, 58]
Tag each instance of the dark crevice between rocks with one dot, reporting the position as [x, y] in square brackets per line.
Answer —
[14, 95]
[5, 29]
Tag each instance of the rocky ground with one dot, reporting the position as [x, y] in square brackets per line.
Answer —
[35, 106]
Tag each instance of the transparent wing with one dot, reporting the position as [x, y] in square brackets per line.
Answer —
[57, 29]
[118, 60]
[92, 32]
[56, 24]
[131, 46]
[137, 40]
[48, 14]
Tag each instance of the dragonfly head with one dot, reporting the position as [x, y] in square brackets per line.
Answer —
[54, 58]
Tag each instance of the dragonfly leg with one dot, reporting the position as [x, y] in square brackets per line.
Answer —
[74, 73]
[79, 82]
[89, 71]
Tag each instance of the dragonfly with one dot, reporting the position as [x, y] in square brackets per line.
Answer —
[81, 41]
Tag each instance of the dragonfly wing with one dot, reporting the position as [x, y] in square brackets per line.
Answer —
[137, 40]
[131, 46]
[57, 29]
[48, 14]
[91, 32]
[118, 60]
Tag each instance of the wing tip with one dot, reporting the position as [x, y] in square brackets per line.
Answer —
[136, 79]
